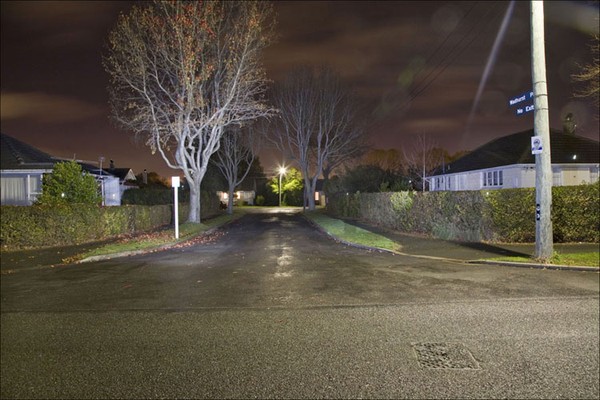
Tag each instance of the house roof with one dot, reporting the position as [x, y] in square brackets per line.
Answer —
[20, 155]
[16, 155]
[516, 149]
[121, 173]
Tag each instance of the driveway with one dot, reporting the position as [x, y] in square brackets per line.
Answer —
[271, 307]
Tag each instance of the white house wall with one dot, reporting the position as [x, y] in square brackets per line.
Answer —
[514, 176]
[111, 191]
[240, 197]
[20, 187]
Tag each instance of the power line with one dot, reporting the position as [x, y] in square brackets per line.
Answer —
[455, 51]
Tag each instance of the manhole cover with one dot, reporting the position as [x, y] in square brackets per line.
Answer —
[444, 356]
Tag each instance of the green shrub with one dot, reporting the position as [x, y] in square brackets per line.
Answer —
[68, 224]
[42, 225]
[512, 212]
[150, 195]
[506, 215]
[576, 213]
[69, 184]
[260, 200]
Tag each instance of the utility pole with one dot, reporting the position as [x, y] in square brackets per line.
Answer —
[541, 127]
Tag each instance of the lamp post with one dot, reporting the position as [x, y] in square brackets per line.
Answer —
[281, 173]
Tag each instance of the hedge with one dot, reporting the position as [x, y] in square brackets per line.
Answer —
[506, 215]
[47, 226]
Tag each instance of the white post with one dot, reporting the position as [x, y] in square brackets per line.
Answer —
[543, 164]
[175, 185]
[282, 171]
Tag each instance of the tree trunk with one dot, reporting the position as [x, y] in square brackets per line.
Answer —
[194, 215]
[230, 199]
[310, 195]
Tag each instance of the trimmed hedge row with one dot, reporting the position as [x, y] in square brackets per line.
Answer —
[47, 226]
[506, 215]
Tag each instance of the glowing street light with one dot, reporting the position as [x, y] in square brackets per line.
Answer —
[282, 171]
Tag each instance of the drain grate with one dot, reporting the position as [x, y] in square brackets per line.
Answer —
[444, 356]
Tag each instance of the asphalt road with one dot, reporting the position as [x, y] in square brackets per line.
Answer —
[272, 308]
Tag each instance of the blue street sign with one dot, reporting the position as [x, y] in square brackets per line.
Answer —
[526, 109]
[521, 98]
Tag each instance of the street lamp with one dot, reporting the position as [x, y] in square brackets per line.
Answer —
[281, 173]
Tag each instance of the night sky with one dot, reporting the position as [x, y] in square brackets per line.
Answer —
[416, 66]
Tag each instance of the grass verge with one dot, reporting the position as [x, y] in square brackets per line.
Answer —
[157, 239]
[350, 233]
[584, 259]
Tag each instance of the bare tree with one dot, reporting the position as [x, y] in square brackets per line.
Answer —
[181, 72]
[589, 75]
[317, 123]
[235, 156]
[388, 160]
[353, 147]
[422, 158]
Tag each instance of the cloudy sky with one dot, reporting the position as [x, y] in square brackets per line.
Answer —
[417, 66]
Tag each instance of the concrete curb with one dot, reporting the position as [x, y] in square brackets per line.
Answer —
[536, 265]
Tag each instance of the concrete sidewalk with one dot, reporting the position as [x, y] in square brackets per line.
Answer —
[475, 252]
[43, 257]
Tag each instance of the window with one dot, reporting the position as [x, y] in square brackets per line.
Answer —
[493, 178]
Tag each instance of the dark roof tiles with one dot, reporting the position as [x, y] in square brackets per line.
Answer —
[516, 149]
[16, 154]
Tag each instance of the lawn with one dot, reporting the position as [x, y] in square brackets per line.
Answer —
[158, 239]
[350, 233]
[583, 259]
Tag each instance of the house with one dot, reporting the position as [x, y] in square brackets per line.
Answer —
[244, 194]
[507, 162]
[21, 170]
[127, 179]
[22, 167]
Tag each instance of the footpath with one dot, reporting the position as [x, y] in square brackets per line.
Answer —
[476, 252]
[409, 245]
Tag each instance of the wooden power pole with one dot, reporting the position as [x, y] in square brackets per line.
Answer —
[541, 126]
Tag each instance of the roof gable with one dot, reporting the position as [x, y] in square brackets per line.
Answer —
[516, 149]
[122, 173]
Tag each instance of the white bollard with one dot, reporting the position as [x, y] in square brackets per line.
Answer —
[175, 186]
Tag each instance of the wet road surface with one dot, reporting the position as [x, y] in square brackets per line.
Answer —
[272, 307]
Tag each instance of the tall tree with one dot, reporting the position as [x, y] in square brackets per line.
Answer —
[388, 160]
[353, 147]
[422, 158]
[589, 75]
[317, 121]
[235, 157]
[291, 187]
[182, 72]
